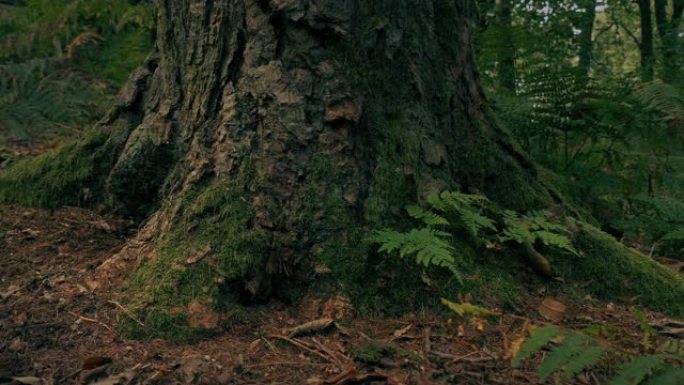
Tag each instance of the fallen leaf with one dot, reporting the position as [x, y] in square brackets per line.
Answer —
[28, 380]
[552, 310]
[400, 332]
[11, 290]
[95, 362]
[514, 348]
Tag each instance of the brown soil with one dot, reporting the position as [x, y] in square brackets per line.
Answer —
[56, 325]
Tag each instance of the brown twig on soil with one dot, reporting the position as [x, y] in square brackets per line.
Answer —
[128, 313]
[302, 345]
[338, 358]
[467, 358]
[90, 320]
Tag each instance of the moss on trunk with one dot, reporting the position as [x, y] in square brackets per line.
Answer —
[264, 138]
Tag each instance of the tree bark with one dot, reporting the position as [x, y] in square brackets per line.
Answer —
[586, 49]
[668, 29]
[646, 44]
[506, 52]
[277, 133]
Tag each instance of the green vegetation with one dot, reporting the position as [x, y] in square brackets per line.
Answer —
[62, 61]
[575, 351]
[605, 140]
[71, 176]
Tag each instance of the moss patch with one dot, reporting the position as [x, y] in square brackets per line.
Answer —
[616, 272]
[71, 175]
[210, 257]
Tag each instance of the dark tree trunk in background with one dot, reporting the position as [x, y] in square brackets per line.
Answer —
[506, 51]
[668, 30]
[586, 49]
[293, 123]
[646, 44]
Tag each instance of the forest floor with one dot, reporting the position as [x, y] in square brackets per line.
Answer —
[59, 326]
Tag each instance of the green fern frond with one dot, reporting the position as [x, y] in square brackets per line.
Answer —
[540, 337]
[580, 362]
[428, 217]
[668, 376]
[572, 346]
[430, 247]
[638, 369]
[674, 236]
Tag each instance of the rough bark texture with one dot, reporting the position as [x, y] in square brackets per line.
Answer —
[289, 122]
[506, 54]
[646, 44]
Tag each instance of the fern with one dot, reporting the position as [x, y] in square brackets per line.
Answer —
[674, 236]
[536, 227]
[466, 208]
[575, 352]
[428, 217]
[540, 338]
[572, 347]
[635, 371]
[428, 246]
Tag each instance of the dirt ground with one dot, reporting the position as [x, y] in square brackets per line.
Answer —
[58, 327]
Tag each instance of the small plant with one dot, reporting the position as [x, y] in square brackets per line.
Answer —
[573, 352]
[535, 227]
[472, 217]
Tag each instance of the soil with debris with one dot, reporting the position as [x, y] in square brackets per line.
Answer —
[57, 326]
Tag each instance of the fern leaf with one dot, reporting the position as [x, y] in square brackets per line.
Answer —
[635, 371]
[573, 345]
[586, 359]
[539, 338]
[668, 376]
[675, 235]
[428, 217]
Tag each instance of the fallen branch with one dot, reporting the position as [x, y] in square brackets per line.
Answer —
[316, 326]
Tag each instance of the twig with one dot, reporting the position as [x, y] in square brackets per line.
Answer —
[301, 345]
[284, 363]
[329, 352]
[128, 313]
[91, 320]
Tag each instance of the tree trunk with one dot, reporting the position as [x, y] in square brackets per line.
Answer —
[668, 29]
[646, 45]
[277, 132]
[586, 49]
[506, 51]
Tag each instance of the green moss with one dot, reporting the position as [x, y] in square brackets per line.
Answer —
[71, 175]
[373, 352]
[614, 272]
[214, 228]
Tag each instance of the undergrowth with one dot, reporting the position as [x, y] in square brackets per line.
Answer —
[578, 252]
[572, 352]
[73, 175]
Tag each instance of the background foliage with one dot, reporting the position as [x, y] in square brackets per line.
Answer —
[568, 79]
[61, 61]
